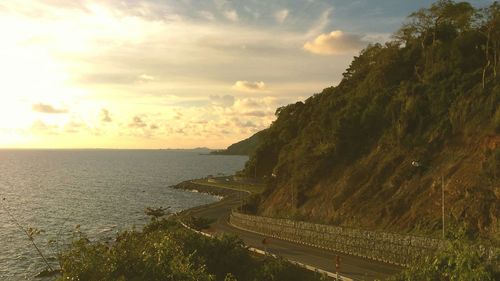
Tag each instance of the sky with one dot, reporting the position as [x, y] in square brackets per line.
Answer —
[172, 73]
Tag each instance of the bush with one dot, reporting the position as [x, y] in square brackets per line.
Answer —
[199, 223]
[164, 250]
[461, 260]
[134, 256]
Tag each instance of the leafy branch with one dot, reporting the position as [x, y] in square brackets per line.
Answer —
[29, 232]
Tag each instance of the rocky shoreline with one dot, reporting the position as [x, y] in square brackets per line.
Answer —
[212, 190]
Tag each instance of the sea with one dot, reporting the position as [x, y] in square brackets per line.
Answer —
[97, 192]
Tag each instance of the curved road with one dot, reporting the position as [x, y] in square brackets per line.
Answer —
[353, 267]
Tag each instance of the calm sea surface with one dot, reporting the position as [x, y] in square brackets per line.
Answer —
[104, 191]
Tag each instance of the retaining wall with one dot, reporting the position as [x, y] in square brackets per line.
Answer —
[386, 247]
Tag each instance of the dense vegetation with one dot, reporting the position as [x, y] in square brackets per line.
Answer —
[244, 147]
[430, 96]
[164, 250]
[460, 260]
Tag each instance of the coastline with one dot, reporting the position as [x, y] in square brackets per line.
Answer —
[189, 185]
[229, 197]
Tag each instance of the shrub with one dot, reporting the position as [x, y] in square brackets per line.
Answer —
[460, 260]
[164, 250]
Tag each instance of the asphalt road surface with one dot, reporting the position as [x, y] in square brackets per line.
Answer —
[353, 267]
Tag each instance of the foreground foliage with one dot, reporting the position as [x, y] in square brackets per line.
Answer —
[166, 251]
[461, 260]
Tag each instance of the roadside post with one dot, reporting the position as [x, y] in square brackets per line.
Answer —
[264, 243]
[337, 266]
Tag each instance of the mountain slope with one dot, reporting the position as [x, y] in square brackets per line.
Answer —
[431, 97]
[244, 147]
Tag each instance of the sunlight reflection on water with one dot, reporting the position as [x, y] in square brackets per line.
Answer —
[104, 191]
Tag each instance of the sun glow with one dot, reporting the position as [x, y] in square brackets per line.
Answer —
[63, 63]
[27, 75]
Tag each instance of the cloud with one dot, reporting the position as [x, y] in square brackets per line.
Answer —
[281, 16]
[100, 51]
[253, 12]
[105, 116]
[207, 15]
[335, 42]
[105, 77]
[247, 103]
[137, 122]
[47, 108]
[320, 24]
[73, 127]
[243, 123]
[178, 115]
[224, 101]
[258, 113]
[40, 127]
[256, 107]
[145, 78]
[249, 86]
[231, 15]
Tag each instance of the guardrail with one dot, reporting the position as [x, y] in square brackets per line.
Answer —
[337, 276]
[390, 248]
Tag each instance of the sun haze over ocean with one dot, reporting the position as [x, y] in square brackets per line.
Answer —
[154, 74]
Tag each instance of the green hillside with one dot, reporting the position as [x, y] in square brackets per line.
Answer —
[430, 96]
[244, 147]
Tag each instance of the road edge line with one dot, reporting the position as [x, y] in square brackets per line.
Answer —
[261, 252]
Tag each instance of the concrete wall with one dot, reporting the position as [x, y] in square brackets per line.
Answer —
[387, 247]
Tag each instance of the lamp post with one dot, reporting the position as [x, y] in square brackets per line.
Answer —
[418, 165]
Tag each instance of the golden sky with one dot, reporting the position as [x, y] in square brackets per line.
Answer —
[159, 74]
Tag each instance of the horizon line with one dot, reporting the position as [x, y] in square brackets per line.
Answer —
[100, 148]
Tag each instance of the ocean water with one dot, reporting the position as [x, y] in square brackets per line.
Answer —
[103, 191]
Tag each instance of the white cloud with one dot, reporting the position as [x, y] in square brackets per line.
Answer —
[224, 101]
[146, 78]
[281, 16]
[231, 15]
[256, 106]
[335, 42]
[249, 86]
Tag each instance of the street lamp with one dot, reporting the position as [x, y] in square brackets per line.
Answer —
[417, 164]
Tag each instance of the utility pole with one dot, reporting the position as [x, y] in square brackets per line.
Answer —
[418, 164]
[241, 201]
[442, 202]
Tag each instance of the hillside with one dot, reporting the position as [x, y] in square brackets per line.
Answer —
[432, 97]
[244, 147]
